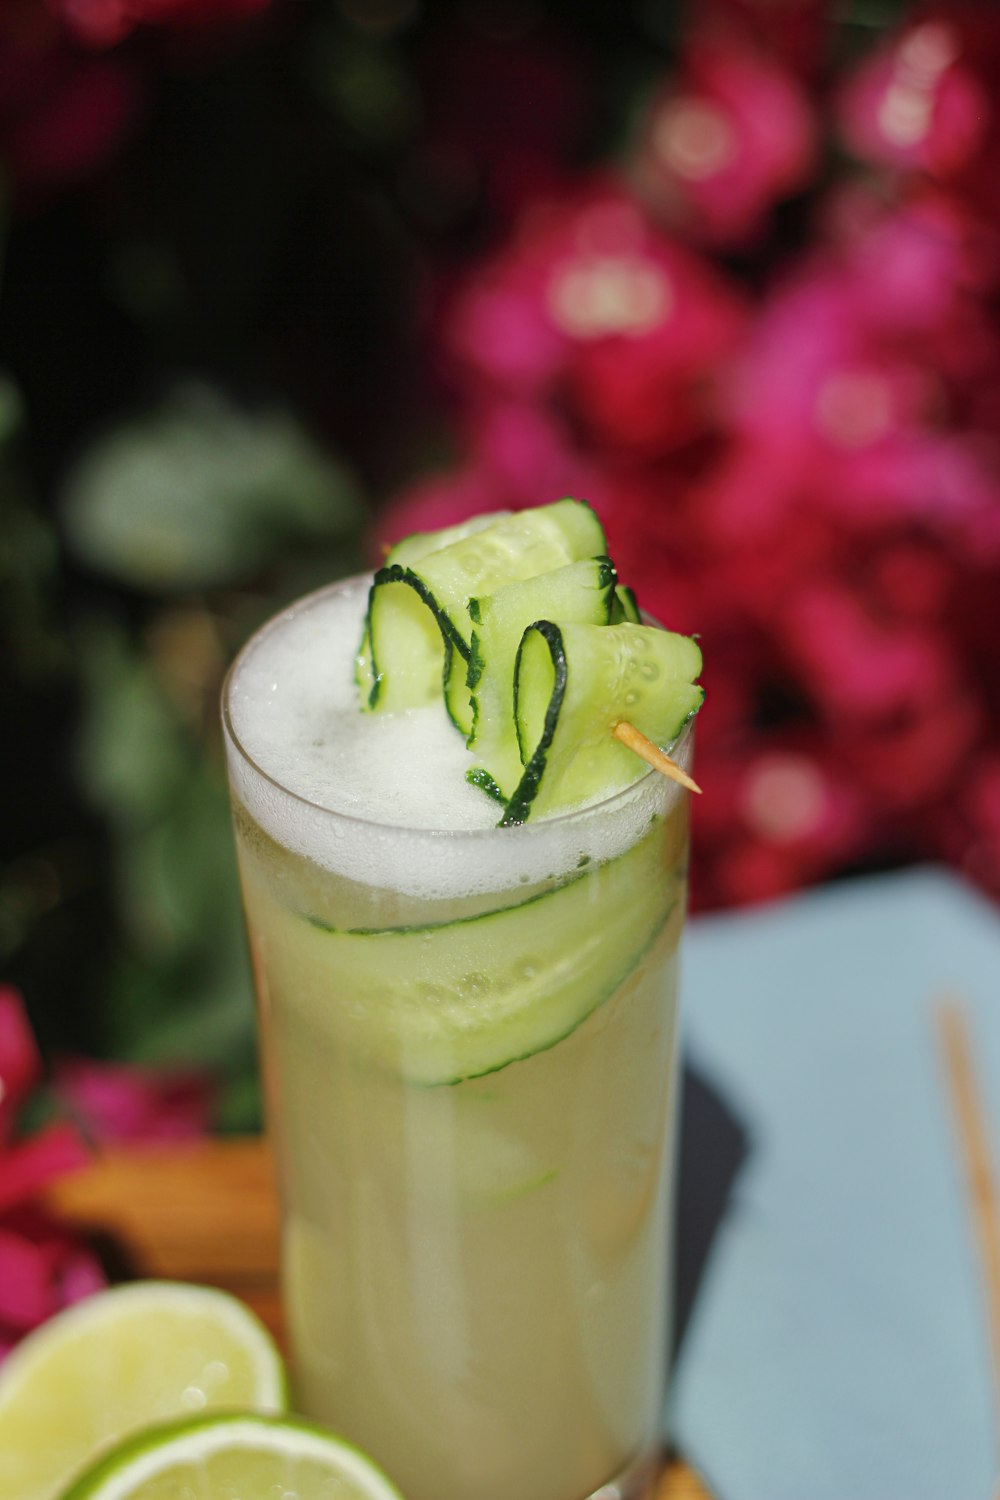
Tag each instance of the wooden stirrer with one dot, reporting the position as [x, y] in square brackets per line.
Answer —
[974, 1150]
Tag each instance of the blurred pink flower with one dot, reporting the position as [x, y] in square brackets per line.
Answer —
[798, 32]
[845, 395]
[497, 331]
[909, 764]
[813, 375]
[913, 580]
[724, 142]
[102, 23]
[811, 483]
[777, 818]
[918, 267]
[967, 827]
[20, 1064]
[529, 452]
[855, 667]
[26, 1165]
[590, 304]
[62, 115]
[117, 1102]
[917, 102]
[43, 1265]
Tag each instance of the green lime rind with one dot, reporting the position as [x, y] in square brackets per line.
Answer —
[580, 591]
[418, 631]
[457, 1000]
[572, 685]
[142, 1463]
[118, 1360]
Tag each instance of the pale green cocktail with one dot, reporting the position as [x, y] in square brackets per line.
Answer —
[469, 1045]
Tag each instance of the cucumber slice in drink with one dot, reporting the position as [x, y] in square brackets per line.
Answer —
[625, 606]
[447, 1002]
[581, 591]
[419, 630]
[572, 685]
[410, 549]
[419, 543]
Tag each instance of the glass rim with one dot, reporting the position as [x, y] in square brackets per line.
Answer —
[590, 810]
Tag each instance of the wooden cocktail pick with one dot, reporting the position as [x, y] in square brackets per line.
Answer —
[973, 1143]
[635, 740]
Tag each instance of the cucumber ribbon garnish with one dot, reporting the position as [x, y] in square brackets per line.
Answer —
[541, 655]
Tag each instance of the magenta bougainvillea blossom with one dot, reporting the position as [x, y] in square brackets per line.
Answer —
[917, 101]
[801, 465]
[63, 113]
[116, 1102]
[68, 101]
[730, 136]
[595, 311]
[43, 1265]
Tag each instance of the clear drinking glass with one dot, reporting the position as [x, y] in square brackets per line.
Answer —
[472, 1099]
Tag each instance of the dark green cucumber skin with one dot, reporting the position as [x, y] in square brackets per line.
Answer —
[625, 606]
[400, 573]
[479, 777]
[396, 573]
[458, 700]
[607, 580]
[476, 663]
[519, 806]
[410, 929]
[472, 676]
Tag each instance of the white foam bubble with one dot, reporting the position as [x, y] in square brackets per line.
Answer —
[383, 797]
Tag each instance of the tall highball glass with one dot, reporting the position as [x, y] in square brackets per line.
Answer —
[470, 1081]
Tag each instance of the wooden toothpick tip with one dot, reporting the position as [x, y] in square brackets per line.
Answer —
[637, 742]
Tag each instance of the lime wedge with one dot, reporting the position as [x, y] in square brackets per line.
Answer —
[219, 1457]
[118, 1361]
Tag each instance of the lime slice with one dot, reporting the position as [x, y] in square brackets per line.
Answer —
[116, 1362]
[218, 1457]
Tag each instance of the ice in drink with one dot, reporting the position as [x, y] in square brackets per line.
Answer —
[469, 1047]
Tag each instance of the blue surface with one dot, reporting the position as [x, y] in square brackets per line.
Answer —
[838, 1346]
